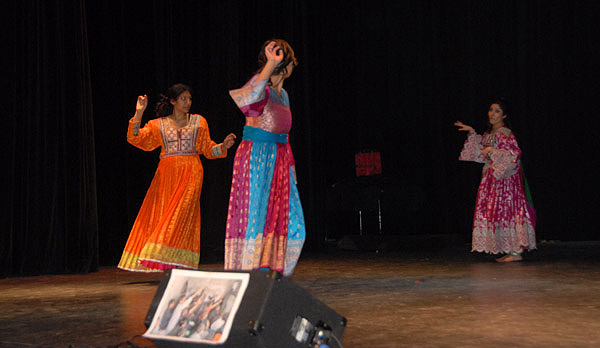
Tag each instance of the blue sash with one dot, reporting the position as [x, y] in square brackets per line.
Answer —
[259, 135]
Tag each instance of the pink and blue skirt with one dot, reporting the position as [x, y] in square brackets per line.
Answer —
[265, 221]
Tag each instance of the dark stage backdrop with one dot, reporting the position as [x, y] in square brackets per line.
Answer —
[49, 196]
[385, 75]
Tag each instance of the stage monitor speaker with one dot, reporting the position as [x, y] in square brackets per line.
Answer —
[255, 309]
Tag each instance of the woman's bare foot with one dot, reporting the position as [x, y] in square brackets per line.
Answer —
[510, 258]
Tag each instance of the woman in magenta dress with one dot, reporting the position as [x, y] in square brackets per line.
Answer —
[265, 222]
[504, 221]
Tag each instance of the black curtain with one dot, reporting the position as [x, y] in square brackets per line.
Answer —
[385, 75]
[395, 75]
[52, 220]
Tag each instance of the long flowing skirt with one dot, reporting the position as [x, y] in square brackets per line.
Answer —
[265, 221]
[504, 221]
[166, 232]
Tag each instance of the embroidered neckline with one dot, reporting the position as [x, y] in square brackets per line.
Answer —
[170, 122]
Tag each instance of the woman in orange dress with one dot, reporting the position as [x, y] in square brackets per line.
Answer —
[166, 232]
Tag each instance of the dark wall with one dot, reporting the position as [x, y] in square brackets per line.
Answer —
[383, 75]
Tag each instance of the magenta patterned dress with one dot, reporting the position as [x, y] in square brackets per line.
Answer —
[504, 221]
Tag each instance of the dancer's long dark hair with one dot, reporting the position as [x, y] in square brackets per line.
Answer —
[164, 106]
[506, 111]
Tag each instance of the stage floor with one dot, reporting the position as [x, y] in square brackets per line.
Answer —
[412, 298]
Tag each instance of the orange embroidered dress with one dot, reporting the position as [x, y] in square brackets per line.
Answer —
[166, 232]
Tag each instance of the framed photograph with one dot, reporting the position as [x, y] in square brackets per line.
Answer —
[198, 306]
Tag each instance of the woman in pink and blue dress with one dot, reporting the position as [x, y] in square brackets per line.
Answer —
[504, 221]
[265, 222]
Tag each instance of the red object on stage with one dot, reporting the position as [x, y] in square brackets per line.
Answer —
[367, 163]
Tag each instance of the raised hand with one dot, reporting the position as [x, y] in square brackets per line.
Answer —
[140, 107]
[274, 55]
[273, 52]
[142, 104]
[463, 127]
